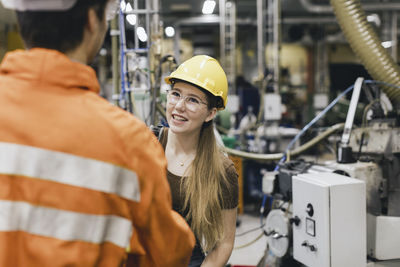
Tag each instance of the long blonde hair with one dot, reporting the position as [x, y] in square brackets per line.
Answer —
[203, 187]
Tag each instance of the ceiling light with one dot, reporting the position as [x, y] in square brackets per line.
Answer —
[141, 33]
[103, 52]
[131, 18]
[123, 5]
[128, 7]
[375, 19]
[208, 7]
[169, 31]
[387, 44]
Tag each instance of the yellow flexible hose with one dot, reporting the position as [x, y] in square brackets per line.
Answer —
[250, 243]
[367, 46]
[277, 156]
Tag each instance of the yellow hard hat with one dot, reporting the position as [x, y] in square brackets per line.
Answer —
[205, 72]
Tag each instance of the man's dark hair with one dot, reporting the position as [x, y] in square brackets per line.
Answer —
[59, 30]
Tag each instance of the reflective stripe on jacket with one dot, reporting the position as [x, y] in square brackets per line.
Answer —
[80, 179]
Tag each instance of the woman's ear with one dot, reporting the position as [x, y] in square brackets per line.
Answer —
[211, 114]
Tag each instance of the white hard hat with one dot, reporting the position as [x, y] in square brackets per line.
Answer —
[38, 5]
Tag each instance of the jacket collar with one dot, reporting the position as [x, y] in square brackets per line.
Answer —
[49, 67]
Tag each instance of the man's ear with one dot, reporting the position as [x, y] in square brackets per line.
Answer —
[92, 20]
[211, 115]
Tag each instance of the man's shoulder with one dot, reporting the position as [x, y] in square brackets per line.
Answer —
[116, 116]
[129, 127]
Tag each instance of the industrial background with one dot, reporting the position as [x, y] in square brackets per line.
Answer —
[312, 120]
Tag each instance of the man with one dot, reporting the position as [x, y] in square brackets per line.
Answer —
[81, 181]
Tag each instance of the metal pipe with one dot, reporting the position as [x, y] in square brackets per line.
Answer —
[313, 8]
[394, 35]
[309, 20]
[122, 47]
[260, 55]
[140, 11]
[114, 32]
[222, 28]
[214, 20]
[367, 46]
[233, 48]
[232, 55]
[199, 20]
[177, 43]
[260, 39]
[276, 43]
[135, 7]
[155, 55]
[271, 157]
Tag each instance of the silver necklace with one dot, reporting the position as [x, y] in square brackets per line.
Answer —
[182, 163]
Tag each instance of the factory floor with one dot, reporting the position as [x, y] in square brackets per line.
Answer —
[250, 255]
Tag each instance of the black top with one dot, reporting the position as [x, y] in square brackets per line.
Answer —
[229, 191]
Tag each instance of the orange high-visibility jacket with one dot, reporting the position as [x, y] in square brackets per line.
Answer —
[80, 179]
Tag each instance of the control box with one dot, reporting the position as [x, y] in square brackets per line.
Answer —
[272, 107]
[329, 220]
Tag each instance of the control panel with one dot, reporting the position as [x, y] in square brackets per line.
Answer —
[329, 220]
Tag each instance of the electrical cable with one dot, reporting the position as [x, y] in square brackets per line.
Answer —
[251, 242]
[294, 140]
[122, 52]
[312, 122]
[368, 107]
[361, 144]
[263, 203]
[307, 145]
[383, 83]
[250, 231]
[303, 148]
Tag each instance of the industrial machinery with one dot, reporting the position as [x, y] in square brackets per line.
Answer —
[342, 212]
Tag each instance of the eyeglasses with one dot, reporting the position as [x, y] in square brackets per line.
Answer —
[112, 9]
[192, 103]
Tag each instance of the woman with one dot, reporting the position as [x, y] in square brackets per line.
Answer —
[203, 180]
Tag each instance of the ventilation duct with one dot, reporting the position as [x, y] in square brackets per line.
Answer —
[367, 46]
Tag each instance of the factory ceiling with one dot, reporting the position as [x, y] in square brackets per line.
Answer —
[247, 9]
[172, 11]
[297, 13]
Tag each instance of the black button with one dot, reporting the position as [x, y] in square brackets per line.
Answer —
[310, 210]
[295, 220]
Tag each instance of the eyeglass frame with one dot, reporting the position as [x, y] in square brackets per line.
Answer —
[184, 99]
